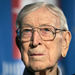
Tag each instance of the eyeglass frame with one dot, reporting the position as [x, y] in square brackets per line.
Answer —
[18, 31]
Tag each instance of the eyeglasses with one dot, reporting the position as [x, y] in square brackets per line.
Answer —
[46, 32]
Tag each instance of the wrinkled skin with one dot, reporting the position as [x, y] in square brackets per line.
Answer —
[51, 50]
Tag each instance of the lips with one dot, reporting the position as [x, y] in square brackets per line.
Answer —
[36, 54]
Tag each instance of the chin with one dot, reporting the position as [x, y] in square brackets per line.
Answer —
[36, 69]
[38, 66]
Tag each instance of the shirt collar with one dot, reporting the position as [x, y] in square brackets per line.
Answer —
[59, 71]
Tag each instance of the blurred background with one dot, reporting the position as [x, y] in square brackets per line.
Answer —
[10, 59]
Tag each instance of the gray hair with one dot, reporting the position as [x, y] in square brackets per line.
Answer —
[34, 6]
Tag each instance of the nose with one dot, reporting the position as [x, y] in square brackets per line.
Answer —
[36, 39]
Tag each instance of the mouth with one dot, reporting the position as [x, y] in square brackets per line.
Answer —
[36, 54]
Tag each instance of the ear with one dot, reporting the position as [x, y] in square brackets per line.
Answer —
[66, 42]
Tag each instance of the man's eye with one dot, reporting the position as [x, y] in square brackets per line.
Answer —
[45, 29]
[27, 30]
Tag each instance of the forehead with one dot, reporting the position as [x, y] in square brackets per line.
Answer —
[41, 16]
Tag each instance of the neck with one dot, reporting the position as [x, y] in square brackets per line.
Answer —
[53, 71]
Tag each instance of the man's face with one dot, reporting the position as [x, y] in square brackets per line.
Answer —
[44, 54]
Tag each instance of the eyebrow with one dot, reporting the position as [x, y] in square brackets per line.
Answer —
[27, 25]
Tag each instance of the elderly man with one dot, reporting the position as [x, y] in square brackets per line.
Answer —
[42, 37]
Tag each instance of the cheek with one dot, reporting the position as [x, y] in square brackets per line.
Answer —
[54, 51]
[25, 47]
[24, 53]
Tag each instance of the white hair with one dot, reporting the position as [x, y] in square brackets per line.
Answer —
[34, 6]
